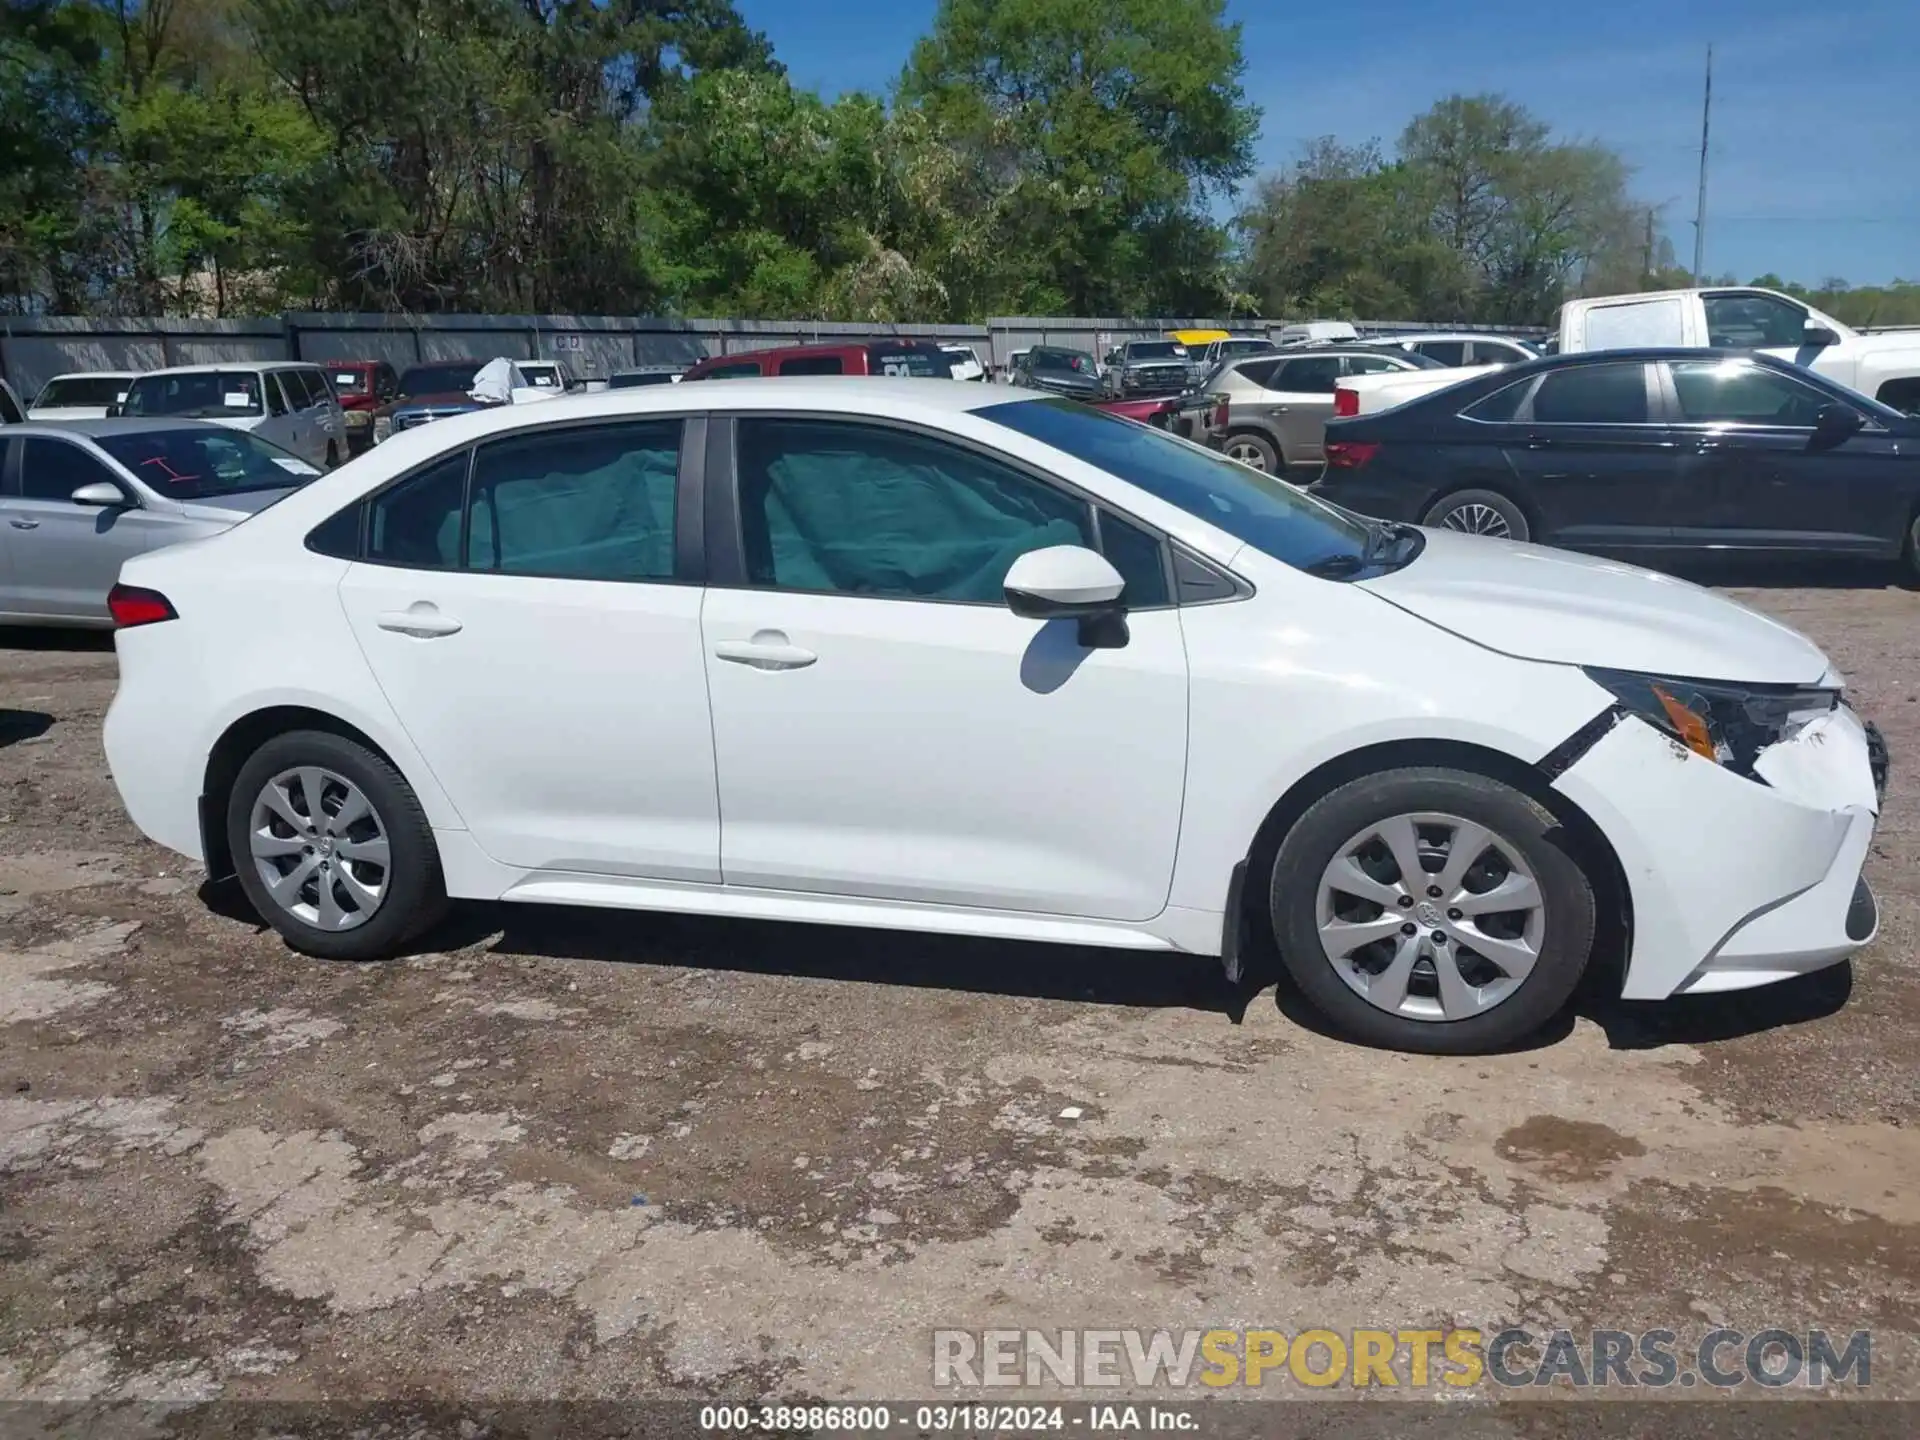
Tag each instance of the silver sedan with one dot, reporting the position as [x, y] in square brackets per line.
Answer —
[78, 498]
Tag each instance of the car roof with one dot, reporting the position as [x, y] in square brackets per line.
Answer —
[839, 347]
[856, 395]
[227, 367]
[119, 425]
[1411, 336]
[94, 375]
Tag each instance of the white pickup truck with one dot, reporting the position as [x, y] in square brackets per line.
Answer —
[1885, 365]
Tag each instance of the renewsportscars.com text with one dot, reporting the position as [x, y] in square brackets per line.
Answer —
[1457, 1358]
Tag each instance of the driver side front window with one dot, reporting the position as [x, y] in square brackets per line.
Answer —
[1754, 322]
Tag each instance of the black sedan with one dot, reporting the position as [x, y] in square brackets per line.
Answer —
[1643, 450]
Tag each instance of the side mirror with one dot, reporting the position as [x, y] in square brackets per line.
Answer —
[1819, 335]
[1070, 582]
[1836, 423]
[102, 495]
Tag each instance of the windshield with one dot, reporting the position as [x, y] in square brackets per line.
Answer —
[1078, 361]
[78, 390]
[546, 376]
[1156, 350]
[439, 379]
[204, 464]
[349, 382]
[1268, 514]
[197, 394]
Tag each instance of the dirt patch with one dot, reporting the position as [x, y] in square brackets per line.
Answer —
[1566, 1150]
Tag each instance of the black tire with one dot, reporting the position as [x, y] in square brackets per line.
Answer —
[1258, 445]
[1462, 504]
[1516, 820]
[414, 895]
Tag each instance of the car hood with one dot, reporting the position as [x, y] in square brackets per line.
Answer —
[1542, 604]
[232, 509]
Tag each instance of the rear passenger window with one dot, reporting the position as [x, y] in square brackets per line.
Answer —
[417, 522]
[1314, 375]
[1593, 395]
[1260, 372]
[1501, 406]
[276, 398]
[1443, 352]
[813, 365]
[730, 372]
[578, 504]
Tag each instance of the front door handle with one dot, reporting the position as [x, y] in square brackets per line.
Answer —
[767, 650]
[19, 523]
[420, 620]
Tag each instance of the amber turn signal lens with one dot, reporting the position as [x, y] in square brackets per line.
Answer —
[1691, 727]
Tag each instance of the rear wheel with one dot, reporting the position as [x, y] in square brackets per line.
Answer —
[332, 847]
[1479, 512]
[1431, 909]
[1254, 450]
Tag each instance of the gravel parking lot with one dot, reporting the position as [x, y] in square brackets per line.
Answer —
[580, 1154]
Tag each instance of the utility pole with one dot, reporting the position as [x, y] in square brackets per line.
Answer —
[1646, 254]
[1700, 212]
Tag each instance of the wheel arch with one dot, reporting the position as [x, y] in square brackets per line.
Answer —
[238, 741]
[1584, 838]
[1499, 484]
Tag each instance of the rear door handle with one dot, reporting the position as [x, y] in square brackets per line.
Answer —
[422, 621]
[23, 524]
[767, 650]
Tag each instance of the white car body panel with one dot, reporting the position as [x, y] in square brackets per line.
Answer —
[1545, 604]
[1675, 820]
[1391, 388]
[867, 763]
[943, 766]
[616, 784]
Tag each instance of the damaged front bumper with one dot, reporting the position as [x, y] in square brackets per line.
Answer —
[1736, 882]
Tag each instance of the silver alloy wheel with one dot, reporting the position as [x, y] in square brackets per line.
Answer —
[1477, 519]
[1431, 916]
[320, 848]
[1247, 454]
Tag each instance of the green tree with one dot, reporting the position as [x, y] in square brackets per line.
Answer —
[1107, 128]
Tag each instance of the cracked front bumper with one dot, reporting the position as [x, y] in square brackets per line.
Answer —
[1734, 882]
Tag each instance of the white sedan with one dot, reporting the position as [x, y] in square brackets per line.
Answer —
[942, 657]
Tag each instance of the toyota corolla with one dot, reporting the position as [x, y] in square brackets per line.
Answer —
[945, 657]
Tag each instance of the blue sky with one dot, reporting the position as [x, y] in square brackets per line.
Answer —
[1815, 162]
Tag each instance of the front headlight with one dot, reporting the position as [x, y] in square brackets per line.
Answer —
[1727, 724]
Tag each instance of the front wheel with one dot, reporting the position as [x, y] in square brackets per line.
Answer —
[332, 847]
[1433, 910]
[1478, 512]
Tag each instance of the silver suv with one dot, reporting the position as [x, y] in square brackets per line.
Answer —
[1278, 405]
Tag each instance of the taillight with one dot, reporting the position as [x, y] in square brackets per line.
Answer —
[1346, 402]
[1220, 416]
[1350, 454]
[131, 606]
